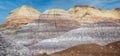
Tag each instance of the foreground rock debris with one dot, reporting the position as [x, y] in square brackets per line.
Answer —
[88, 50]
[114, 45]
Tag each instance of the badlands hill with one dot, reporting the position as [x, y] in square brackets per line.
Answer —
[48, 25]
[21, 16]
[56, 30]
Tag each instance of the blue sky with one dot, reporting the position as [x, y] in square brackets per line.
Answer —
[41, 5]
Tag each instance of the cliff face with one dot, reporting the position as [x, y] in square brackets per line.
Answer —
[21, 16]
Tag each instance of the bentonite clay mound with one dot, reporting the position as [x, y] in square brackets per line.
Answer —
[88, 50]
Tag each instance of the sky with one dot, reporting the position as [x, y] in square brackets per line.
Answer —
[41, 5]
